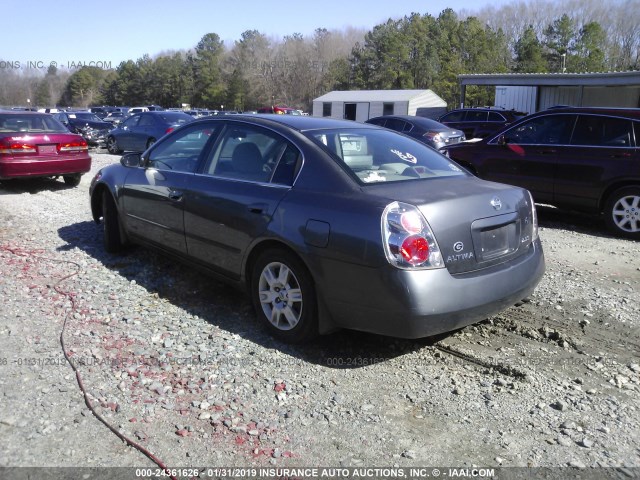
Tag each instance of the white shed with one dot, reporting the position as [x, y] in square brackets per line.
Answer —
[361, 105]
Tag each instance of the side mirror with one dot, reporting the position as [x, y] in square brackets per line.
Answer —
[133, 159]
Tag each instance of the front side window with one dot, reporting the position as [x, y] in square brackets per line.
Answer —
[545, 130]
[181, 152]
[496, 117]
[247, 152]
[374, 156]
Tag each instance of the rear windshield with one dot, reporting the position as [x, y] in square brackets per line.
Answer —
[30, 123]
[85, 116]
[378, 155]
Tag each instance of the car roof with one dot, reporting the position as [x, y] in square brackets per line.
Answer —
[22, 112]
[627, 112]
[410, 118]
[297, 122]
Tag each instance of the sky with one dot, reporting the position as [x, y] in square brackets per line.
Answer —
[69, 33]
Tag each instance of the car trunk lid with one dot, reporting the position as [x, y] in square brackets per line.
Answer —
[477, 224]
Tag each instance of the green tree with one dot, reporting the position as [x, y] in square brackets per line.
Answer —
[209, 89]
[529, 53]
[83, 87]
[559, 39]
[589, 49]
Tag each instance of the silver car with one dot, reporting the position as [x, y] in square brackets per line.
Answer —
[327, 224]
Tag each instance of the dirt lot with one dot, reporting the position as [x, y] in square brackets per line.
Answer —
[177, 363]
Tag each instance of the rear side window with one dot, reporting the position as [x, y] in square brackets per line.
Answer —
[453, 117]
[476, 116]
[496, 117]
[250, 153]
[594, 130]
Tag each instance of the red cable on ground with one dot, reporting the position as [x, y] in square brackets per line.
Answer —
[20, 252]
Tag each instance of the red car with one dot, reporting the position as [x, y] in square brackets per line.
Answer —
[37, 145]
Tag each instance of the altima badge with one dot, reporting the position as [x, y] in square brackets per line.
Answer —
[496, 203]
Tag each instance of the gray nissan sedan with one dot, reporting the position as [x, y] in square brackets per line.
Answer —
[327, 224]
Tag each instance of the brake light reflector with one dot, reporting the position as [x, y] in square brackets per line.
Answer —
[408, 240]
[8, 147]
[77, 146]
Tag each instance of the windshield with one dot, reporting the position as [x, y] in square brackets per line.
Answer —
[377, 155]
[30, 123]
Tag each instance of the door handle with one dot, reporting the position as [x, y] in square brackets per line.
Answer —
[258, 208]
[175, 195]
[548, 152]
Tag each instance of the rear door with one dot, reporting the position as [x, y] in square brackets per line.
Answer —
[602, 150]
[231, 202]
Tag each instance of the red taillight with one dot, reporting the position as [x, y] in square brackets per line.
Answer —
[415, 249]
[77, 146]
[8, 147]
[409, 242]
[169, 130]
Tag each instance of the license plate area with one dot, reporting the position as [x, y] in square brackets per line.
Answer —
[497, 241]
[496, 238]
[47, 150]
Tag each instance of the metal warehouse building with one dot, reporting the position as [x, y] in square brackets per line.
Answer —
[532, 92]
[361, 105]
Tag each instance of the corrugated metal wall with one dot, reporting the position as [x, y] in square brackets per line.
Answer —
[522, 99]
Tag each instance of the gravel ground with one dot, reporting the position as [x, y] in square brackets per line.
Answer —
[177, 362]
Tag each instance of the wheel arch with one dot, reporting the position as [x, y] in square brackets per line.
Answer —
[325, 320]
[631, 182]
[96, 201]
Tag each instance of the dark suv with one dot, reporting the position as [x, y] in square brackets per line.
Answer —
[585, 159]
[480, 122]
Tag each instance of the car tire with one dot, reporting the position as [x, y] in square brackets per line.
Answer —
[622, 212]
[150, 142]
[284, 297]
[112, 146]
[112, 236]
[72, 180]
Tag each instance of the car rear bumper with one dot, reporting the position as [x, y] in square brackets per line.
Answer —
[42, 167]
[415, 304]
